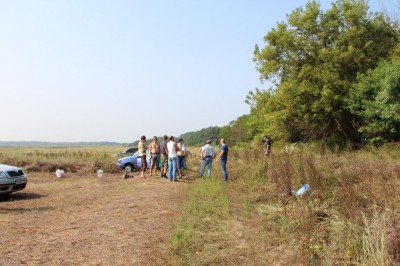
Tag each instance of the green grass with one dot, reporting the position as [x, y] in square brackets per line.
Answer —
[199, 226]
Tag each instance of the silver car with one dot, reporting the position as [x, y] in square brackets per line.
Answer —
[133, 162]
[126, 152]
[11, 179]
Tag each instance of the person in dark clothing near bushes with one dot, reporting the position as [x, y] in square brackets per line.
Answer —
[267, 147]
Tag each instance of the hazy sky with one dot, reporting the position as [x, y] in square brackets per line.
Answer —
[91, 70]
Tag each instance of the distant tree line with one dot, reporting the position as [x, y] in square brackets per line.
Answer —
[335, 78]
[194, 138]
[198, 138]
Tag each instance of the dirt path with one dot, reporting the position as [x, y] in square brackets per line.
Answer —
[89, 220]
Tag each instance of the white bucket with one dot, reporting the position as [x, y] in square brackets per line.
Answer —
[59, 173]
[99, 173]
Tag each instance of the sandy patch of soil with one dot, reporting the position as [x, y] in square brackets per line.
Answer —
[82, 219]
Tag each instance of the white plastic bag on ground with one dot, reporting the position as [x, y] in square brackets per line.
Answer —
[60, 173]
[303, 190]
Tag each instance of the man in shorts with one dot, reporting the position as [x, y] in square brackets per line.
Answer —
[154, 155]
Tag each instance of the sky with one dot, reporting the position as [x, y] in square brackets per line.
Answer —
[113, 70]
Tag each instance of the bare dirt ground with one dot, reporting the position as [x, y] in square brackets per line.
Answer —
[89, 220]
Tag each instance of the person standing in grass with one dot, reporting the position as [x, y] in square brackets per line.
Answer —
[142, 154]
[155, 155]
[181, 158]
[207, 153]
[172, 148]
[164, 156]
[267, 147]
[223, 158]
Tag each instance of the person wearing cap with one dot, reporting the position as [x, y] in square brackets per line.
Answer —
[223, 158]
[207, 153]
[267, 147]
[142, 154]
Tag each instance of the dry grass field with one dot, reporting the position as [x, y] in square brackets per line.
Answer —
[86, 220]
[350, 216]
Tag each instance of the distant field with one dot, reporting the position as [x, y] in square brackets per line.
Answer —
[73, 159]
[21, 150]
[81, 159]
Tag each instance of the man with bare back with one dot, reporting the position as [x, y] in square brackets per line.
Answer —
[154, 155]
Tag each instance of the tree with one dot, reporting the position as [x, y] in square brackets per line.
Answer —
[267, 113]
[376, 101]
[197, 138]
[313, 61]
[237, 131]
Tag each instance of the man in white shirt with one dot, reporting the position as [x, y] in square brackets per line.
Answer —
[172, 148]
[207, 153]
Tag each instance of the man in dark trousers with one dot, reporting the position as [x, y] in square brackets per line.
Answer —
[223, 158]
[164, 157]
[267, 147]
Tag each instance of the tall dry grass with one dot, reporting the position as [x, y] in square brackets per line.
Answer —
[349, 217]
[71, 159]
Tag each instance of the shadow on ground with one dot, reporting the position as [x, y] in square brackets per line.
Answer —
[20, 196]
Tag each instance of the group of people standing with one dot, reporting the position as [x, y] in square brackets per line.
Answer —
[170, 157]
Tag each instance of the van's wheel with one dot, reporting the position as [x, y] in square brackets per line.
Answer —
[128, 167]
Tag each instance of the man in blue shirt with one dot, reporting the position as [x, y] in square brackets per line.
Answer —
[223, 158]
